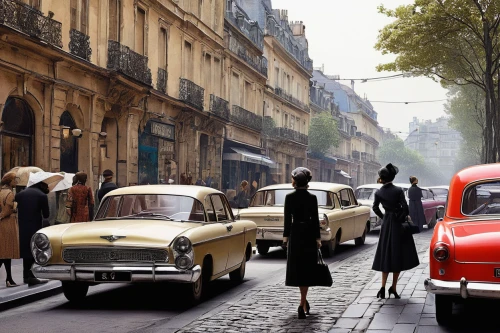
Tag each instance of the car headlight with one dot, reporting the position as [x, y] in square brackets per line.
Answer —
[441, 253]
[183, 262]
[40, 248]
[182, 245]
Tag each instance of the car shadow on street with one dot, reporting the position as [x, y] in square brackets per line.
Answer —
[475, 315]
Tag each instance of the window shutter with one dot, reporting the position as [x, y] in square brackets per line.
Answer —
[113, 22]
[84, 17]
[73, 13]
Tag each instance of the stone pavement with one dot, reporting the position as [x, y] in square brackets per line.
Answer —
[349, 305]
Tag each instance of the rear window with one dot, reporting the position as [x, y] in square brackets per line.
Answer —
[276, 198]
[442, 192]
[365, 193]
[482, 199]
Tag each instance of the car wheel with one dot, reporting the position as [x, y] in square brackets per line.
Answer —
[361, 240]
[75, 291]
[263, 248]
[444, 309]
[195, 290]
[238, 274]
[330, 247]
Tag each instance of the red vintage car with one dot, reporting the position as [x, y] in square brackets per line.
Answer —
[464, 257]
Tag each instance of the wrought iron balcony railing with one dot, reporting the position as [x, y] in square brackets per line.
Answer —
[122, 59]
[161, 81]
[79, 44]
[259, 63]
[246, 118]
[291, 135]
[191, 93]
[281, 93]
[219, 107]
[248, 27]
[20, 16]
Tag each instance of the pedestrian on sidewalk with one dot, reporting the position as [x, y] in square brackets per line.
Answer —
[80, 201]
[415, 204]
[9, 231]
[396, 249]
[301, 236]
[33, 209]
[107, 185]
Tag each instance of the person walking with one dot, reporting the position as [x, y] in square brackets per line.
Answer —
[416, 208]
[32, 207]
[301, 236]
[396, 250]
[107, 185]
[241, 199]
[9, 231]
[80, 201]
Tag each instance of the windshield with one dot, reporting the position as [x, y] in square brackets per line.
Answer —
[151, 206]
[482, 199]
[440, 191]
[365, 193]
[276, 198]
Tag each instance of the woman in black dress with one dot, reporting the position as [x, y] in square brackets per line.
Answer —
[301, 236]
[396, 250]
[416, 208]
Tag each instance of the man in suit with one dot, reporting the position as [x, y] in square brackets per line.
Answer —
[107, 185]
[33, 208]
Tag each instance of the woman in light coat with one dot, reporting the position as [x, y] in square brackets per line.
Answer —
[9, 230]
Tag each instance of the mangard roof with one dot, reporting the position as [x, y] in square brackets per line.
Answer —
[321, 186]
[185, 190]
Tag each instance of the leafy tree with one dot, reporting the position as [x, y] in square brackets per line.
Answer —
[323, 134]
[410, 163]
[454, 40]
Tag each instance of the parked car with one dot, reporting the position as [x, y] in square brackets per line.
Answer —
[153, 233]
[365, 194]
[341, 217]
[440, 191]
[464, 250]
[433, 206]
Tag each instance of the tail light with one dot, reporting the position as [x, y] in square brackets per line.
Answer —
[441, 253]
[323, 221]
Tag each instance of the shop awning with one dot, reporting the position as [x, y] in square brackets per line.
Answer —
[343, 173]
[244, 155]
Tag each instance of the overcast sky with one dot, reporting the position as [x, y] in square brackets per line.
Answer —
[342, 35]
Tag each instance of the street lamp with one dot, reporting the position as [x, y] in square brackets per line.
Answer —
[65, 132]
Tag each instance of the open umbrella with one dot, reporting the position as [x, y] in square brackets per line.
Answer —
[51, 179]
[64, 184]
[23, 174]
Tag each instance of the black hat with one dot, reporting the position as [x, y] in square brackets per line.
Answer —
[302, 176]
[107, 173]
[388, 173]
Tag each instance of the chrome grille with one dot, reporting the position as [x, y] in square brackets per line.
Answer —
[97, 255]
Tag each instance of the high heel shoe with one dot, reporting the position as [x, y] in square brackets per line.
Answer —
[392, 291]
[301, 313]
[381, 293]
[307, 308]
[10, 284]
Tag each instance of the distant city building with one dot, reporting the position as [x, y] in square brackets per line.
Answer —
[436, 142]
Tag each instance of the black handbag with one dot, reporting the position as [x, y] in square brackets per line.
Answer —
[408, 226]
[322, 276]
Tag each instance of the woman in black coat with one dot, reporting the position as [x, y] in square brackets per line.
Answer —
[416, 208]
[396, 250]
[301, 236]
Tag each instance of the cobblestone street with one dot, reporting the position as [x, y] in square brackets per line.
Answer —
[273, 307]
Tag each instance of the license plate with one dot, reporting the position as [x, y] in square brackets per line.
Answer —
[497, 272]
[112, 276]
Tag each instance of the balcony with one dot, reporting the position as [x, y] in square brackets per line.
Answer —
[191, 94]
[219, 107]
[123, 60]
[246, 118]
[291, 135]
[259, 63]
[355, 155]
[161, 80]
[79, 44]
[19, 16]
[249, 28]
[289, 98]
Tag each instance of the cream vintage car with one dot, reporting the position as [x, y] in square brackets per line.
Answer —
[341, 217]
[152, 233]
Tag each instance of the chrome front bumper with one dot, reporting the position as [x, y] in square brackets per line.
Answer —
[138, 273]
[276, 234]
[463, 288]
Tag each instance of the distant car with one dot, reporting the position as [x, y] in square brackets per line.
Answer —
[464, 250]
[440, 191]
[365, 194]
[341, 217]
[152, 233]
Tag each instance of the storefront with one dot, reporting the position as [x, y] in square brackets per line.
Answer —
[157, 154]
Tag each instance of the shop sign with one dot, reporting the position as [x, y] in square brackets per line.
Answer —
[162, 130]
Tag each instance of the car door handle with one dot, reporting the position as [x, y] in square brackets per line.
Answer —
[229, 227]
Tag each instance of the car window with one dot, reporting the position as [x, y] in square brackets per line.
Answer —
[442, 192]
[276, 198]
[352, 197]
[482, 199]
[365, 193]
[209, 208]
[425, 194]
[220, 210]
[154, 206]
[345, 200]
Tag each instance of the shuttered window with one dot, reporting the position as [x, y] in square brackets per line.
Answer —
[140, 31]
[162, 49]
[79, 15]
[114, 20]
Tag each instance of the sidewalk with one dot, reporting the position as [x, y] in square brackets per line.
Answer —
[10, 297]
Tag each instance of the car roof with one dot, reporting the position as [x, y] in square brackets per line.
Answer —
[193, 191]
[320, 186]
[445, 187]
[369, 186]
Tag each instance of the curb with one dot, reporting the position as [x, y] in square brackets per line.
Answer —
[26, 295]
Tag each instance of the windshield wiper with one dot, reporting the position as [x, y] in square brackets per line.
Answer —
[147, 214]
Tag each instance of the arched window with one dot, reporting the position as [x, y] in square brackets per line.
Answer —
[16, 134]
[69, 145]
